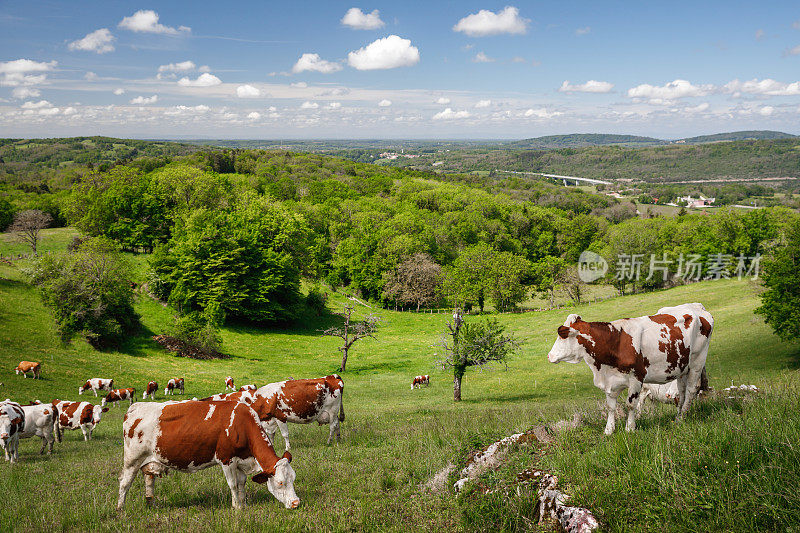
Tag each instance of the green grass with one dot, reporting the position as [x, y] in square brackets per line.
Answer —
[393, 439]
[51, 240]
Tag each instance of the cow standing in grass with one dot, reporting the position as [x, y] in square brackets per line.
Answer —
[192, 435]
[40, 421]
[74, 415]
[29, 366]
[173, 385]
[12, 420]
[96, 384]
[151, 389]
[419, 381]
[672, 344]
[117, 395]
[229, 384]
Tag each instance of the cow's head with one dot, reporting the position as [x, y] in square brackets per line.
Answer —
[280, 481]
[86, 386]
[567, 348]
[10, 424]
[97, 411]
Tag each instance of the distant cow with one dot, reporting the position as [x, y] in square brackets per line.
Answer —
[229, 383]
[117, 395]
[419, 381]
[12, 420]
[672, 344]
[96, 384]
[74, 415]
[151, 389]
[173, 385]
[29, 366]
[40, 421]
[249, 388]
[302, 401]
[192, 435]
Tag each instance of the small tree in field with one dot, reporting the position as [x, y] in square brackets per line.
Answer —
[474, 344]
[27, 224]
[415, 281]
[351, 331]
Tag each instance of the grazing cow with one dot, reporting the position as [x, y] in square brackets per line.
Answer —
[419, 381]
[117, 395]
[12, 420]
[672, 344]
[229, 383]
[40, 422]
[302, 401]
[29, 366]
[74, 415]
[192, 435]
[96, 384]
[248, 388]
[151, 389]
[173, 385]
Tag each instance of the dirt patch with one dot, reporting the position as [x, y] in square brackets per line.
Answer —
[183, 349]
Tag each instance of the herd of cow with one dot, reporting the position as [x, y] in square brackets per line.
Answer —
[659, 354]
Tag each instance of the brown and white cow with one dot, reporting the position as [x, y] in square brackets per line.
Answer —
[672, 344]
[12, 420]
[668, 392]
[419, 381]
[117, 395]
[173, 385]
[74, 415]
[150, 390]
[248, 388]
[96, 384]
[40, 422]
[192, 435]
[302, 401]
[29, 366]
[229, 384]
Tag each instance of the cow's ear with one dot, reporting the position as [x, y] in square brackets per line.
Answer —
[571, 319]
[287, 456]
[262, 477]
[563, 331]
[105, 409]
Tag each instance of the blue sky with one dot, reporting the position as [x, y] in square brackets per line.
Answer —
[397, 70]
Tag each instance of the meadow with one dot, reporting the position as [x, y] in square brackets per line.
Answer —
[394, 439]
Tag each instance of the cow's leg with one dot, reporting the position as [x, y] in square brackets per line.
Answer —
[241, 479]
[126, 478]
[44, 445]
[149, 488]
[284, 427]
[681, 394]
[95, 392]
[230, 472]
[692, 388]
[50, 440]
[334, 429]
[611, 402]
[634, 390]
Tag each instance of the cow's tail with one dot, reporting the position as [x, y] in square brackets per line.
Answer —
[56, 423]
[704, 380]
[341, 405]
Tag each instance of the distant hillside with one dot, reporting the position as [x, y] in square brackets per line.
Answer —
[754, 135]
[579, 140]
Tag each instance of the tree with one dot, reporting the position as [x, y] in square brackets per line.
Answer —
[415, 281]
[780, 302]
[27, 224]
[507, 280]
[475, 344]
[6, 213]
[351, 332]
[547, 274]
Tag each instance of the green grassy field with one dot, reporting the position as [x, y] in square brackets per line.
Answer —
[393, 439]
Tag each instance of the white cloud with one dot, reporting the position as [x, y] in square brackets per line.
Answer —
[255, 115]
[765, 87]
[24, 72]
[204, 68]
[70, 111]
[247, 91]
[183, 66]
[142, 100]
[98, 41]
[389, 52]
[334, 105]
[793, 51]
[37, 105]
[486, 22]
[449, 114]
[668, 92]
[309, 105]
[443, 101]
[188, 110]
[49, 111]
[699, 108]
[146, 21]
[204, 80]
[299, 84]
[119, 91]
[583, 31]
[541, 113]
[385, 103]
[315, 63]
[272, 109]
[766, 111]
[358, 20]
[483, 103]
[518, 59]
[25, 92]
[480, 57]
[90, 76]
[591, 86]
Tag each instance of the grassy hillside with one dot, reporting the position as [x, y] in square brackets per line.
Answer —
[393, 439]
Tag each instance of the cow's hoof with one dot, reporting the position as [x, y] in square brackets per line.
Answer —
[148, 501]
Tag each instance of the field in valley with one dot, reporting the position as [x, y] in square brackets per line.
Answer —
[393, 439]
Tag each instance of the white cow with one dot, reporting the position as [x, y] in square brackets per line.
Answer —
[40, 421]
[12, 420]
[96, 384]
[74, 415]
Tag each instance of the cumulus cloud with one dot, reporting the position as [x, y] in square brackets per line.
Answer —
[146, 21]
[765, 87]
[699, 108]
[314, 63]
[188, 110]
[671, 91]
[334, 105]
[793, 51]
[385, 103]
[299, 84]
[49, 111]
[21, 72]
[358, 20]
[591, 86]
[766, 111]
[119, 91]
[480, 57]
[25, 92]
[37, 105]
[443, 101]
[541, 113]
[70, 111]
[203, 80]
[183, 66]
[309, 105]
[449, 114]
[247, 91]
[389, 52]
[255, 115]
[90, 76]
[583, 31]
[486, 22]
[483, 103]
[142, 100]
[98, 41]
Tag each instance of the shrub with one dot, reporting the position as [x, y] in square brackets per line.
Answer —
[198, 332]
[317, 300]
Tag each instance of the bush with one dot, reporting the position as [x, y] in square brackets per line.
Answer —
[317, 300]
[198, 332]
